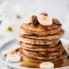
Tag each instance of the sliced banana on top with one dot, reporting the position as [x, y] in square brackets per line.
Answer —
[44, 20]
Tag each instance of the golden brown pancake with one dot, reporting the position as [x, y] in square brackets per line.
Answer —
[34, 46]
[26, 58]
[40, 48]
[42, 30]
[47, 37]
[37, 41]
[43, 55]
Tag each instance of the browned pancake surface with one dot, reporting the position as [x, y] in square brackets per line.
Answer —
[42, 30]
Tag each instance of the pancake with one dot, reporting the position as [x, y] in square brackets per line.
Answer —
[41, 55]
[37, 41]
[39, 59]
[47, 37]
[42, 30]
[26, 58]
[40, 48]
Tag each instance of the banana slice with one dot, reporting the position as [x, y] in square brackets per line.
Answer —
[47, 65]
[44, 20]
[13, 58]
[4, 53]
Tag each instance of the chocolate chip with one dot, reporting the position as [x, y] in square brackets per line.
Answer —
[67, 56]
[34, 20]
[20, 41]
[56, 21]
[17, 49]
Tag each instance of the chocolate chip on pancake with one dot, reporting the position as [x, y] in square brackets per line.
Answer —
[34, 20]
[56, 21]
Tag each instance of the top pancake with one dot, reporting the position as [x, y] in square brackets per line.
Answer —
[29, 28]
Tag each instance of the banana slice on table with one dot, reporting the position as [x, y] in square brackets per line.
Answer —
[47, 65]
[4, 53]
[13, 58]
[44, 20]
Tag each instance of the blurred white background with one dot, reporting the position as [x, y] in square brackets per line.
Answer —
[55, 8]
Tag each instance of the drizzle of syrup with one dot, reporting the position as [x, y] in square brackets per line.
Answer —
[57, 64]
[61, 63]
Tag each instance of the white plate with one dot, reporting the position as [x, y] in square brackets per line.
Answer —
[12, 44]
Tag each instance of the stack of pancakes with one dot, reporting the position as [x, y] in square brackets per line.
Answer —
[40, 43]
